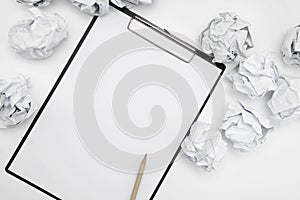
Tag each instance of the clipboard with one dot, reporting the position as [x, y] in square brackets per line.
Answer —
[145, 35]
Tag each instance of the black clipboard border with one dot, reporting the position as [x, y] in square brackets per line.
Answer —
[7, 170]
[74, 53]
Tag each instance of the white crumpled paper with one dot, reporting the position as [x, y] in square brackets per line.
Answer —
[254, 76]
[285, 101]
[227, 38]
[16, 104]
[92, 7]
[204, 146]
[123, 3]
[245, 127]
[291, 46]
[37, 3]
[36, 38]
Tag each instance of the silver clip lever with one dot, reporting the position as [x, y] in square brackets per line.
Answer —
[162, 39]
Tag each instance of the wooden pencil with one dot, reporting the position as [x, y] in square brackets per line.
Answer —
[138, 178]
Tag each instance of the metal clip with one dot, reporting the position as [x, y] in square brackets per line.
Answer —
[163, 39]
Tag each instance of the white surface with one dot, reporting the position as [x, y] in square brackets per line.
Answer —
[269, 172]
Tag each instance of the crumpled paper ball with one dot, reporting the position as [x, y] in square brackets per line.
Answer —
[291, 46]
[36, 38]
[127, 3]
[255, 76]
[36, 3]
[16, 103]
[204, 146]
[245, 127]
[226, 38]
[285, 101]
[92, 7]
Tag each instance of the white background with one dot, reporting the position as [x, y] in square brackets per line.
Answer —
[270, 171]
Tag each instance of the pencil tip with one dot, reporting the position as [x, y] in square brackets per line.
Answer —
[145, 157]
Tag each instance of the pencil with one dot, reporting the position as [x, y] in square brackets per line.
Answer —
[138, 178]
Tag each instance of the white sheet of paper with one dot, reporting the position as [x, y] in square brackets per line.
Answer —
[255, 76]
[204, 146]
[227, 38]
[291, 46]
[36, 38]
[16, 103]
[55, 148]
[38, 3]
[285, 101]
[129, 3]
[245, 127]
[93, 7]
